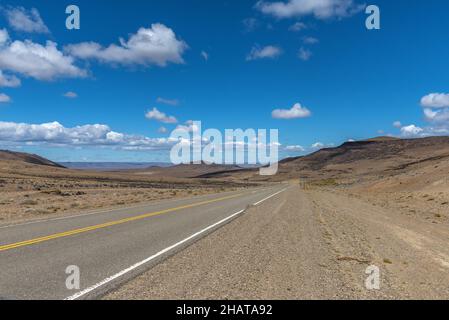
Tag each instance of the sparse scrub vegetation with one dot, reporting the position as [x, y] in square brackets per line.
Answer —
[325, 183]
[47, 190]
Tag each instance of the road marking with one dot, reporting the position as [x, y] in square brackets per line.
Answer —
[139, 264]
[107, 224]
[100, 211]
[269, 197]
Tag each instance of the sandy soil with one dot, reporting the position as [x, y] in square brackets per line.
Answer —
[306, 244]
[30, 191]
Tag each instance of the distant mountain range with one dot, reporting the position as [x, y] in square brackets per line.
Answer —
[425, 159]
[113, 166]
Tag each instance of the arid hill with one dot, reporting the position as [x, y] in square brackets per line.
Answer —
[359, 161]
[34, 187]
[409, 176]
[369, 157]
[6, 155]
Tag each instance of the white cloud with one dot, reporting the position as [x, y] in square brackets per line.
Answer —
[24, 20]
[55, 134]
[9, 81]
[437, 116]
[170, 102]
[318, 145]
[320, 9]
[296, 148]
[435, 100]
[37, 61]
[115, 137]
[298, 26]
[4, 36]
[268, 52]
[205, 55]
[397, 124]
[157, 115]
[436, 113]
[157, 45]
[297, 111]
[4, 98]
[310, 40]
[304, 54]
[162, 130]
[189, 126]
[71, 95]
[411, 131]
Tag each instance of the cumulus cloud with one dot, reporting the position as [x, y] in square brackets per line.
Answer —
[189, 126]
[436, 113]
[435, 100]
[317, 145]
[55, 134]
[297, 111]
[297, 26]
[4, 98]
[170, 102]
[157, 115]
[397, 124]
[440, 116]
[71, 95]
[320, 9]
[296, 148]
[24, 20]
[411, 131]
[157, 45]
[304, 54]
[4, 36]
[37, 61]
[268, 52]
[436, 108]
[9, 80]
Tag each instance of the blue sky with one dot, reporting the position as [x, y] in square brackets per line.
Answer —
[347, 82]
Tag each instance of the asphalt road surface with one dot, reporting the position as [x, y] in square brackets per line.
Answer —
[110, 247]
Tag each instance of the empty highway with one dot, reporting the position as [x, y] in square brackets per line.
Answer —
[110, 247]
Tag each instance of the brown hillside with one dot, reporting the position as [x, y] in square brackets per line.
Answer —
[6, 155]
[360, 161]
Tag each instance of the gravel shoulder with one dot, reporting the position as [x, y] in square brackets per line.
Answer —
[305, 244]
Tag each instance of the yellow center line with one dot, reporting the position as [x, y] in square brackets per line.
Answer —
[108, 224]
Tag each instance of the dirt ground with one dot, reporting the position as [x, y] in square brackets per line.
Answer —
[307, 244]
[34, 192]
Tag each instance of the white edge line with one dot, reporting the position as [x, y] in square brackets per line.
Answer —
[269, 197]
[149, 259]
[139, 264]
